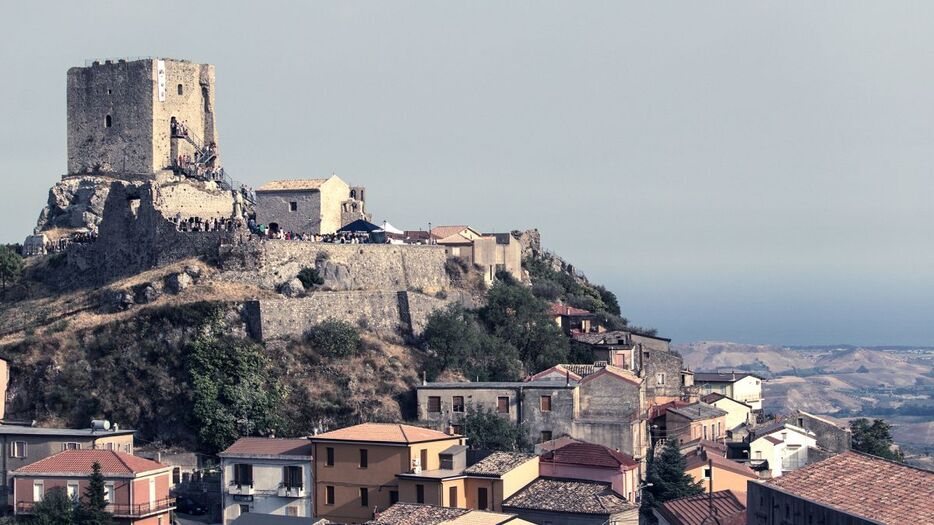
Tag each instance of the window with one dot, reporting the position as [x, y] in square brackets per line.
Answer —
[292, 477]
[128, 448]
[243, 474]
[452, 497]
[329, 495]
[706, 472]
[108, 122]
[176, 475]
[758, 454]
[181, 89]
[110, 91]
[419, 493]
[364, 497]
[447, 462]
[37, 491]
[801, 422]
[244, 508]
[434, 404]
[18, 449]
[71, 446]
[546, 436]
[329, 457]
[111, 446]
[291, 510]
[109, 491]
[545, 403]
[72, 490]
[152, 491]
[423, 458]
[482, 503]
[502, 405]
[393, 497]
[363, 458]
[705, 431]
[659, 379]
[293, 206]
[458, 404]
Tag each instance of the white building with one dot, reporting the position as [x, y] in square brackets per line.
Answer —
[783, 445]
[266, 476]
[743, 387]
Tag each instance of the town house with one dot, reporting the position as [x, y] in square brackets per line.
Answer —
[136, 489]
[355, 468]
[737, 412]
[266, 476]
[698, 420]
[782, 446]
[707, 466]
[589, 461]
[744, 387]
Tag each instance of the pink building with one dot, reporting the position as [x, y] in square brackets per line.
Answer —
[588, 461]
[136, 488]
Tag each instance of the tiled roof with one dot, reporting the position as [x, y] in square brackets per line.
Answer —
[698, 411]
[416, 514]
[296, 184]
[557, 443]
[384, 433]
[457, 238]
[612, 337]
[713, 397]
[704, 444]
[561, 495]
[591, 455]
[256, 446]
[534, 383]
[573, 372]
[693, 510]
[660, 410]
[440, 232]
[696, 460]
[774, 427]
[81, 462]
[617, 372]
[498, 463]
[561, 309]
[867, 486]
[482, 517]
[717, 377]
[21, 430]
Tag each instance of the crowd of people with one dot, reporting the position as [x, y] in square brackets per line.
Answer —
[62, 243]
[266, 232]
[198, 224]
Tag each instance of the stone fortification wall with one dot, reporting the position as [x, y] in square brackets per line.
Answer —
[379, 311]
[193, 199]
[380, 267]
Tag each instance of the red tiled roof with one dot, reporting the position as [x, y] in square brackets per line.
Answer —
[615, 371]
[257, 446]
[560, 309]
[557, 443]
[557, 368]
[697, 460]
[660, 410]
[591, 455]
[384, 433]
[867, 486]
[693, 510]
[81, 462]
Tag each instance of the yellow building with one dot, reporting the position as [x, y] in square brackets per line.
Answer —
[726, 474]
[737, 412]
[355, 468]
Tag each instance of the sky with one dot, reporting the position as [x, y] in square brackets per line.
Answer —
[757, 172]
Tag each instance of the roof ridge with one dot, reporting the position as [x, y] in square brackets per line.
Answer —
[404, 435]
[125, 464]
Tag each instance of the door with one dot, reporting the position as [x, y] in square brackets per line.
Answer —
[452, 497]
[482, 498]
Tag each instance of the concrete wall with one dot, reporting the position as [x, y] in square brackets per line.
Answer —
[558, 421]
[661, 369]
[478, 397]
[767, 505]
[498, 251]
[193, 199]
[267, 475]
[736, 413]
[749, 391]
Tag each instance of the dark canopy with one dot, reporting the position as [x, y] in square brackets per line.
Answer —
[358, 226]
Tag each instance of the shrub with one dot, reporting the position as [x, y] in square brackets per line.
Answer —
[441, 294]
[335, 338]
[310, 277]
[547, 290]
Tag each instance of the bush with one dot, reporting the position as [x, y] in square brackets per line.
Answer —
[455, 267]
[335, 338]
[547, 290]
[441, 294]
[310, 277]
[486, 430]
[458, 342]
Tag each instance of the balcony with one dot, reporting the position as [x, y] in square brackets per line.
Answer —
[294, 491]
[119, 510]
[240, 489]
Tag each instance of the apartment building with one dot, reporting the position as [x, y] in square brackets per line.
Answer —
[782, 446]
[698, 420]
[136, 489]
[355, 468]
[267, 476]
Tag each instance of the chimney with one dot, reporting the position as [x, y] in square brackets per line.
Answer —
[424, 378]
[450, 429]
[567, 378]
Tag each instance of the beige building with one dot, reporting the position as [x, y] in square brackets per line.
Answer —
[783, 446]
[490, 252]
[684, 423]
[311, 206]
[355, 468]
[706, 466]
[744, 387]
[737, 412]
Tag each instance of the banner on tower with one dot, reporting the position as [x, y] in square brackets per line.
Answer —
[160, 73]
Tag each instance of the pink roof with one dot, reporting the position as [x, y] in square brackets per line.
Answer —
[257, 446]
[384, 433]
[617, 372]
[81, 462]
[590, 455]
[560, 309]
[556, 368]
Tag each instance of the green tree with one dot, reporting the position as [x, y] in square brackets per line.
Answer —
[335, 338]
[456, 341]
[56, 508]
[874, 438]
[235, 393]
[310, 277]
[11, 266]
[486, 430]
[667, 478]
[519, 318]
[93, 509]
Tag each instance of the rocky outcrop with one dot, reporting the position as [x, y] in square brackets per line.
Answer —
[75, 203]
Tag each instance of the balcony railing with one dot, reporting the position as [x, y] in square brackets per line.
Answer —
[291, 491]
[119, 510]
[238, 488]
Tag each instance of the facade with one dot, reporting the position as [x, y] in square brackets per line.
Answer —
[696, 510]
[737, 412]
[480, 486]
[491, 252]
[23, 445]
[355, 468]
[419, 514]
[784, 446]
[571, 502]
[830, 436]
[726, 474]
[120, 114]
[312, 206]
[136, 488]
[845, 489]
[588, 461]
[266, 476]
[695, 421]
[575, 320]
[743, 387]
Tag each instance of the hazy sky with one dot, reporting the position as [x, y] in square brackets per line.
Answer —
[748, 171]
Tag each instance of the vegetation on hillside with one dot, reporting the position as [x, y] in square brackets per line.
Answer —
[874, 438]
[666, 479]
[486, 430]
[11, 267]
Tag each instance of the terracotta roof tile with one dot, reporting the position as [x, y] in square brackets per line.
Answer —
[560, 495]
[590, 455]
[867, 486]
[561, 309]
[384, 433]
[295, 184]
[81, 462]
[440, 232]
[693, 510]
[416, 514]
[615, 371]
[698, 411]
[256, 446]
[498, 463]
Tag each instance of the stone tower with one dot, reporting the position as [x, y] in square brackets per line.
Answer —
[120, 115]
